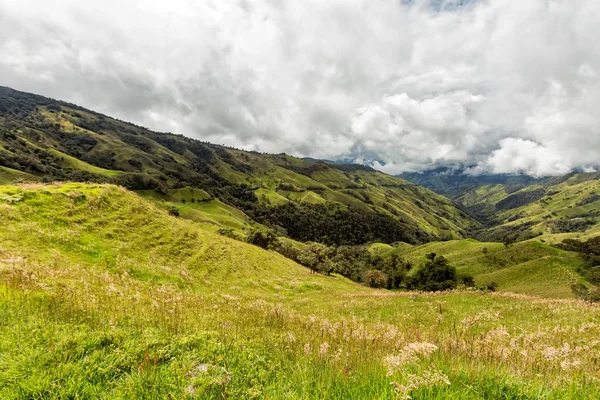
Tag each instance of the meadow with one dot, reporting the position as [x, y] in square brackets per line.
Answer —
[105, 295]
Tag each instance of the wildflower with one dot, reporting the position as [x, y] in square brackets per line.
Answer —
[428, 379]
[565, 364]
[408, 355]
[307, 349]
[291, 337]
[323, 349]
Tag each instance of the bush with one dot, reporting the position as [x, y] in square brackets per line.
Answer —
[467, 280]
[229, 233]
[584, 293]
[173, 210]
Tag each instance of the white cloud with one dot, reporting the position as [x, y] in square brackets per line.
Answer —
[505, 85]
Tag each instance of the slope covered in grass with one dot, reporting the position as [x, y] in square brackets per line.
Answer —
[560, 208]
[53, 140]
[104, 295]
[529, 267]
[9, 175]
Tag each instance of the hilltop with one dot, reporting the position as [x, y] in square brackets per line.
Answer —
[49, 140]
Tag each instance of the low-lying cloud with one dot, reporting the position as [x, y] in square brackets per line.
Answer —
[499, 86]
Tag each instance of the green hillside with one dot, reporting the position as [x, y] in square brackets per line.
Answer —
[52, 140]
[567, 207]
[529, 267]
[105, 295]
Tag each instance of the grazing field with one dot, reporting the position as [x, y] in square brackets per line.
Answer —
[104, 295]
[529, 267]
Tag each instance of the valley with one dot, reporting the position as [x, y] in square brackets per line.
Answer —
[136, 264]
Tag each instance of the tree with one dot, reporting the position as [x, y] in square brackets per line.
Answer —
[375, 278]
[314, 256]
[264, 238]
[435, 275]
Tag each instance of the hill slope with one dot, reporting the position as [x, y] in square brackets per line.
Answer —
[566, 207]
[52, 140]
[104, 295]
[529, 267]
[520, 207]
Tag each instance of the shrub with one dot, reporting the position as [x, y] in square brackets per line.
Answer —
[173, 210]
[229, 233]
[584, 293]
[467, 280]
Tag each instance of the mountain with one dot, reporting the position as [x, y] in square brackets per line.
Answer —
[454, 182]
[561, 208]
[518, 207]
[48, 140]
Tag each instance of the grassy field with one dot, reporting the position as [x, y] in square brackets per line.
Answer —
[104, 295]
[529, 267]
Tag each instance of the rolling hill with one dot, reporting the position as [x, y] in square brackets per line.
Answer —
[562, 208]
[515, 208]
[49, 140]
[103, 294]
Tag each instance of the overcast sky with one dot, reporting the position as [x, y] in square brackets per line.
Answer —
[499, 85]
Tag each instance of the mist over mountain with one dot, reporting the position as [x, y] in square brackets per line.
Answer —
[453, 182]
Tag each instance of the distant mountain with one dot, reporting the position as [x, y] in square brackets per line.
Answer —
[453, 182]
[307, 200]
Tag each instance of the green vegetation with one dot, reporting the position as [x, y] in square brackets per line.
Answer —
[529, 267]
[232, 189]
[104, 295]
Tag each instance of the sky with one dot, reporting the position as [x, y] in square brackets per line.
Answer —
[492, 86]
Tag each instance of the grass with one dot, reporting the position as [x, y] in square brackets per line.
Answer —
[104, 295]
[563, 201]
[75, 163]
[530, 267]
[9, 175]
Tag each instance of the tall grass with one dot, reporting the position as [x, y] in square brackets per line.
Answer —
[85, 313]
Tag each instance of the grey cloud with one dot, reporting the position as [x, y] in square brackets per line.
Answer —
[504, 85]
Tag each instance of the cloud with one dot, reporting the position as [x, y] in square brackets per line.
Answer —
[501, 85]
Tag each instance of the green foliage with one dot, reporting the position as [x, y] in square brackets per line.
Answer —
[229, 233]
[571, 225]
[434, 275]
[582, 292]
[173, 210]
[264, 238]
[330, 224]
[520, 199]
